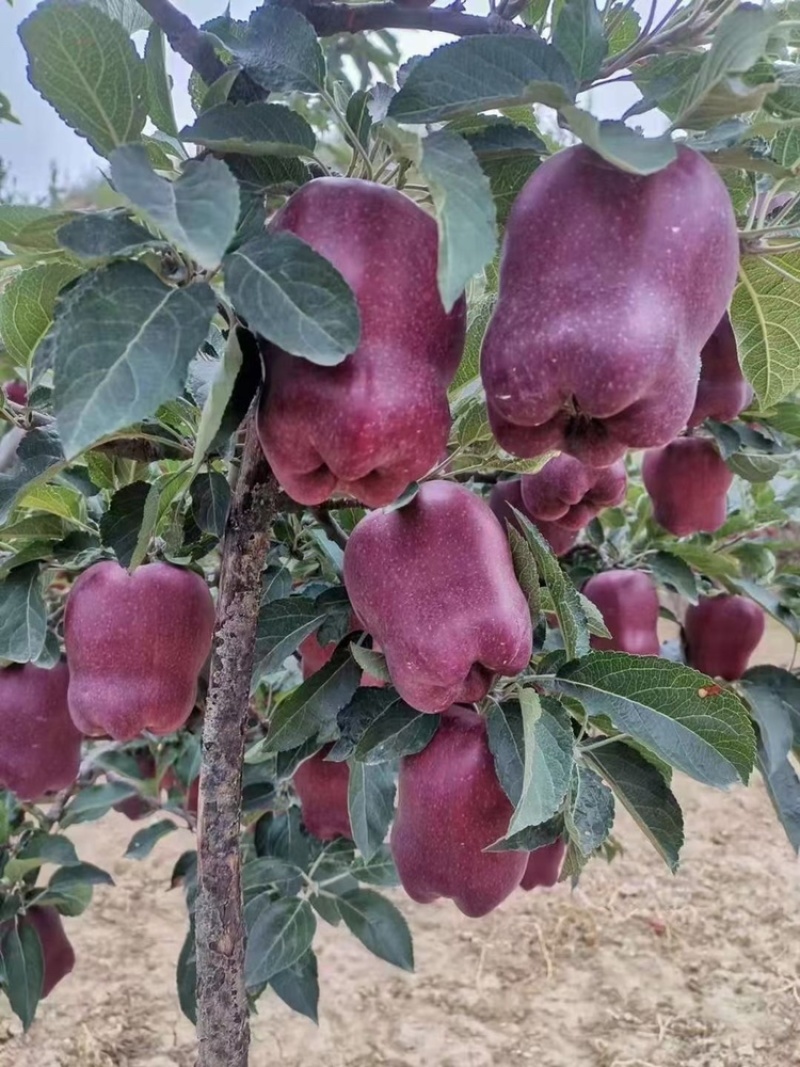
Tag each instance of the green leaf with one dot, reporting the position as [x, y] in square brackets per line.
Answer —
[87, 67]
[774, 698]
[526, 571]
[397, 730]
[23, 615]
[159, 95]
[26, 306]
[641, 789]
[260, 874]
[623, 26]
[122, 344]
[783, 787]
[672, 710]
[198, 212]
[144, 841]
[186, 977]
[217, 399]
[312, 707]
[78, 874]
[294, 297]
[590, 812]
[256, 129]
[482, 73]
[105, 235]
[129, 13]
[531, 838]
[570, 613]
[372, 662]
[674, 572]
[465, 211]
[211, 498]
[619, 144]
[121, 525]
[379, 870]
[279, 932]
[705, 560]
[579, 35]
[23, 959]
[39, 456]
[379, 926]
[279, 51]
[765, 313]
[494, 138]
[754, 468]
[282, 626]
[96, 801]
[532, 744]
[480, 313]
[49, 848]
[298, 986]
[15, 217]
[370, 802]
[358, 117]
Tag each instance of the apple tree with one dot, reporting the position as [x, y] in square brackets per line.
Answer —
[356, 447]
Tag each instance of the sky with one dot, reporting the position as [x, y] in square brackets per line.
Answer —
[29, 149]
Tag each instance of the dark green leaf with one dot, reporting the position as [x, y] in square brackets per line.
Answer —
[371, 662]
[673, 572]
[39, 456]
[122, 344]
[590, 812]
[783, 787]
[619, 144]
[482, 73]
[499, 138]
[379, 870]
[279, 932]
[579, 35]
[370, 803]
[144, 841]
[23, 959]
[187, 977]
[159, 96]
[23, 616]
[106, 235]
[379, 926]
[298, 986]
[294, 297]
[397, 730]
[358, 117]
[121, 525]
[256, 129]
[675, 711]
[774, 698]
[281, 836]
[641, 788]
[211, 497]
[198, 212]
[279, 50]
[260, 874]
[49, 848]
[531, 838]
[95, 801]
[526, 571]
[78, 874]
[282, 626]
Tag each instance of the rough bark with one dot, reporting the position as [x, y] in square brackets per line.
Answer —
[222, 1011]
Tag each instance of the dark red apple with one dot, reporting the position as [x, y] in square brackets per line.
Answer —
[322, 789]
[40, 747]
[628, 602]
[723, 391]
[135, 645]
[568, 492]
[381, 419]
[16, 391]
[508, 494]
[450, 807]
[688, 483]
[721, 633]
[610, 284]
[434, 583]
[544, 866]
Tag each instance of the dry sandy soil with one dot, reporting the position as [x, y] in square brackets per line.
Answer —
[637, 968]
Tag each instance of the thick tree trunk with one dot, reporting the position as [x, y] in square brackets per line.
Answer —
[222, 1014]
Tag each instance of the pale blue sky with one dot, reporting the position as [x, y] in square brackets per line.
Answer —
[28, 149]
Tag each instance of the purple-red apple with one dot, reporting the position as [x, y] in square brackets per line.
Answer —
[544, 866]
[723, 391]
[16, 391]
[688, 483]
[40, 747]
[508, 494]
[450, 807]
[379, 420]
[610, 284]
[628, 602]
[135, 646]
[568, 492]
[721, 633]
[322, 789]
[434, 584]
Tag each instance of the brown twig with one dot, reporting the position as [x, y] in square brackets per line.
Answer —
[222, 1008]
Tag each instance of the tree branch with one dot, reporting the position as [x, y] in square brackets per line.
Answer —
[222, 1007]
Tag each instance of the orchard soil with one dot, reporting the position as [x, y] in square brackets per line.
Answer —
[637, 968]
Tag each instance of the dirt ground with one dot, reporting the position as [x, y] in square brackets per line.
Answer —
[635, 969]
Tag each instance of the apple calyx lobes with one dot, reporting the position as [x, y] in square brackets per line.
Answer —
[136, 644]
[688, 483]
[450, 807]
[596, 351]
[434, 584]
[40, 746]
[723, 391]
[544, 866]
[628, 602]
[720, 635]
[322, 786]
[380, 419]
[568, 492]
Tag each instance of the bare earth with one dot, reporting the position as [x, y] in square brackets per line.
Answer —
[636, 969]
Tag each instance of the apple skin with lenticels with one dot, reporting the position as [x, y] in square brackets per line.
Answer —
[628, 602]
[450, 808]
[136, 644]
[434, 584]
[721, 633]
[594, 344]
[688, 483]
[380, 419]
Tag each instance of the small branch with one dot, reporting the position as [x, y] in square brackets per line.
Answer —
[222, 1007]
[332, 18]
[331, 528]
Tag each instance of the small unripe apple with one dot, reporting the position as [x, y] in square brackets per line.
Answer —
[544, 866]
[628, 602]
[721, 633]
[688, 483]
[322, 789]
